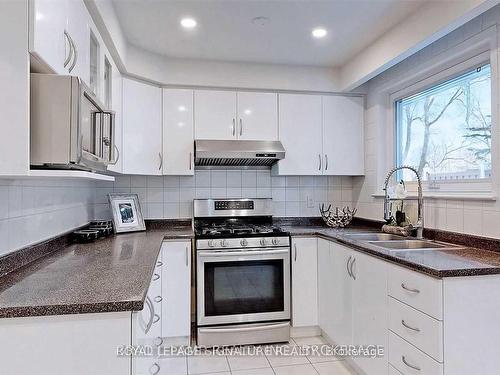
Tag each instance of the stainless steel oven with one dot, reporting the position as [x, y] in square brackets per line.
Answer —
[243, 285]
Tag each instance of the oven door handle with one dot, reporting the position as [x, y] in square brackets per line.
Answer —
[214, 254]
[244, 329]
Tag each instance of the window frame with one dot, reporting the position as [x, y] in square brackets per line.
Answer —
[466, 188]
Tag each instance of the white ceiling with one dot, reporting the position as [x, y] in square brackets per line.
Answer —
[225, 30]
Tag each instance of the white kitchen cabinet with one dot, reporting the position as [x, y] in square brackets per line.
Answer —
[47, 41]
[178, 132]
[257, 116]
[78, 29]
[116, 105]
[340, 314]
[79, 344]
[142, 128]
[215, 115]
[369, 309]
[326, 280]
[343, 142]
[176, 292]
[304, 282]
[301, 135]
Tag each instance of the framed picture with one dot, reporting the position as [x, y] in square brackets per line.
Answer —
[127, 215]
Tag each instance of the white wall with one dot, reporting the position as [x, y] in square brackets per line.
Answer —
[168, 71]
[172, 196]
[460, 215]
[33, 210]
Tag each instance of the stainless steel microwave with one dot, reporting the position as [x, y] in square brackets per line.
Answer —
[70, 128]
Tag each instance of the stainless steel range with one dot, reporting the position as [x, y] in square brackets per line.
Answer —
[242, 273]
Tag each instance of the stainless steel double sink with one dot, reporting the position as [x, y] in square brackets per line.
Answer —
[393, 242]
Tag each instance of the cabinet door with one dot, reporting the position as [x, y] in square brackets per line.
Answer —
[116, 105]
[78, 29]
[326, 280]
[369, 303]
[257, 116]
[343, 143]
[142, 128]
[215, 115]
[176, 291]
[178, 132]
[304, 282]
[300, 133]
[47, 41]
[341, 295]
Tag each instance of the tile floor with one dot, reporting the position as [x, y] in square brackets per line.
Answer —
[258, 364]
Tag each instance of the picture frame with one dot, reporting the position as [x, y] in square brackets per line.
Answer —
[127, 214]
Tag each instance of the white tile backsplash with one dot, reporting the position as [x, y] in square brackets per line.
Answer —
[289, 193]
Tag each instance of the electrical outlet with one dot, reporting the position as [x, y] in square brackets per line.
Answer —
[310, 202]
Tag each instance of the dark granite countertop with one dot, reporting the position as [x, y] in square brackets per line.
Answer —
[462, 261]
[109, 275]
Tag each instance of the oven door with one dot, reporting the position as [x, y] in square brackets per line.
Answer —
[237, 286]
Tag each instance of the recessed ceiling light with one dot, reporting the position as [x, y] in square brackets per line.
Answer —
[181, 108]
[188, 23]
[319, 32]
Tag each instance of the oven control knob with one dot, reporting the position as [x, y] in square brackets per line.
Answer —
[276, 241]
[263, 242]
[223, 243]
[243, 242]
[210, 243]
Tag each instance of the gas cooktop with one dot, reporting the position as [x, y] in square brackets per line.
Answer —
[230, 229]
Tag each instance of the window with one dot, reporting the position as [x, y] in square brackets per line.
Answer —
[445, 130]
[107, 83]
[94, 64]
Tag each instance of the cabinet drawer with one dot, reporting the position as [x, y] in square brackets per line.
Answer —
[409, 360]
[421, 330]
[419, 291]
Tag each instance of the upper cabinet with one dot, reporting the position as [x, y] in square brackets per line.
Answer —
[59, 37]
[301, 135]
[343, 141]
[178, 132]
[322, 135]
[257, 116]
[235, 115]
[142, 128]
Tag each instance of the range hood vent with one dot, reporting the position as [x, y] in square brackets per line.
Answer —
[236, 153]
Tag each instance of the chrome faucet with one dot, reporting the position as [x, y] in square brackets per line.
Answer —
[419, 225]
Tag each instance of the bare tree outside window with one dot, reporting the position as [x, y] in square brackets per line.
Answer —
[445, 131]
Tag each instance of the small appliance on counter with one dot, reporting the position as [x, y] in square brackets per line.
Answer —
[94, 231]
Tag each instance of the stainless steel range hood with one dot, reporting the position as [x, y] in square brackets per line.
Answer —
[237, 153]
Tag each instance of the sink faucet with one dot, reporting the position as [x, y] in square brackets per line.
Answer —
[419, 225]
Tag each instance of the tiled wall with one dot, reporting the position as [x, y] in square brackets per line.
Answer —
[32, 210]
[172, 196]
[472, 217]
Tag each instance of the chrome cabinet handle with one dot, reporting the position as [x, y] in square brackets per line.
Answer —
[409, 289]
[352, 265]
[155, 369]
[319, 158]
[159, 263]
[348, 261]
[241, 127]
[161, 161]
[326, 162]
[70, 55]
[75, 54]
[190, 160]
[403, 358]
[295, 252]
[187, 257]
[158, 298]
[156, 277]
[117, 156]
[152, 316]
[156, 318]
[409, 327]
[159, 341]
[234, 127]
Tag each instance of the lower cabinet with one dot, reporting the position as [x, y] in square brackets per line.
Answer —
[353, 301]
[166, 317]
[304, 282]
